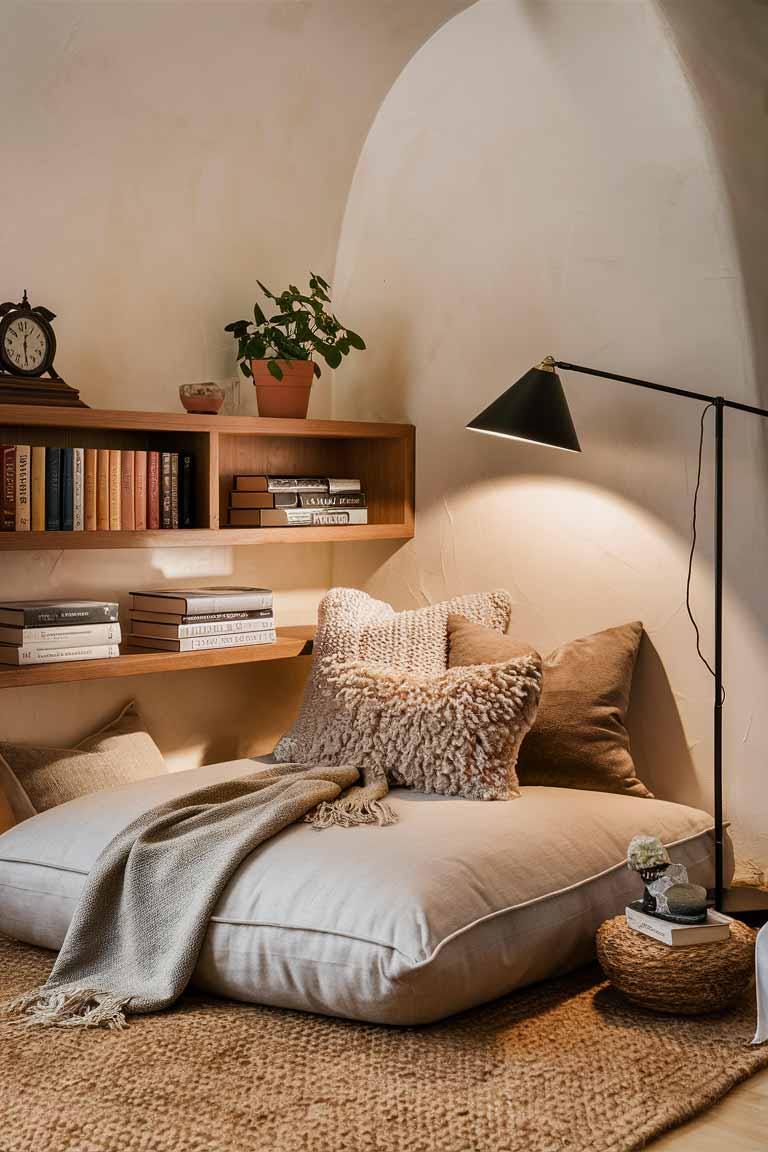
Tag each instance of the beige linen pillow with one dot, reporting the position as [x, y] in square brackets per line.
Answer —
[351, 625]
[579, 738]
[35, 779]
[456, 733]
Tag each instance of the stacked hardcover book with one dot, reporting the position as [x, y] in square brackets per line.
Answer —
[94, 489]
[51, 631]
[715, 927]
[296, 502]
[196, 619]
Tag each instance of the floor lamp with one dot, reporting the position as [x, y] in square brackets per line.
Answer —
[535, 409]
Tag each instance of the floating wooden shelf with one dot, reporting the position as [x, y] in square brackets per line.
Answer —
[381, 455]
[291, 642]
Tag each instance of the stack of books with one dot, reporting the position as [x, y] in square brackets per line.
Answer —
[194, 619]
[716, 927]
[295, 502]
[94, 489]
[51, 631]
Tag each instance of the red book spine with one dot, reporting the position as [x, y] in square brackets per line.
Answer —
[8, 507]
[153, 489]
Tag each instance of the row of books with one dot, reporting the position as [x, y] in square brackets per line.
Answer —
[296, 502]
[53, 631]
[93, 489]
[166, 620]
[197, 619]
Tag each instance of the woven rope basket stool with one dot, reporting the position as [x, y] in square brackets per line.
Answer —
[683, 981]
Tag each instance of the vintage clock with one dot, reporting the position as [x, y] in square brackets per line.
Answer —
[27, 351]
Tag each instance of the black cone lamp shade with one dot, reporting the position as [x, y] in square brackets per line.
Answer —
[533, 409]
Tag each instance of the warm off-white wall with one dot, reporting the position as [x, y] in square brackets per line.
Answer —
[540, 180]
[160, 157]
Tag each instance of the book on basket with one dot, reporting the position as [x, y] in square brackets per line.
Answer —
[196, 601]
[203, 643]
[717, 927]
[41, 654]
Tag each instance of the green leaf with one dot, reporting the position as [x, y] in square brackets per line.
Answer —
[258, 315]
[332, 356]
[245, 368]
[316, 369]
[274, 369]
[266, 290]
[238, 327]
[355, 340]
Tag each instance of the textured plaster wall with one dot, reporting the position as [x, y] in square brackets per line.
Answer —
[543, 178]
[159, 157]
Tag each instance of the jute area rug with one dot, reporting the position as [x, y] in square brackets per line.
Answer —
[565, 1065]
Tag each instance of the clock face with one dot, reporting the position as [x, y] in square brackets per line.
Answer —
[25, 345]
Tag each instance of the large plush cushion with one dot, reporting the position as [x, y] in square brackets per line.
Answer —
[579, 737]
[35, 779]
[7, 818]
[351, 625]
[457, 903]
[456, 733]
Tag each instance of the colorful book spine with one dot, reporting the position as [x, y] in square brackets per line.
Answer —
[165, 490]
[186, 516]
[8, 505]
[127, 499]
[89, 497]
[114, 490]
[153, 489]
[102, 490]
[23, 488]
[140, 491]
[67, 489]
[78, 489]
[38, 489]
[174, 489]
[53, 489]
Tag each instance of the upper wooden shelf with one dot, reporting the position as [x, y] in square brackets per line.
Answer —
[381, 455]
[291, 642]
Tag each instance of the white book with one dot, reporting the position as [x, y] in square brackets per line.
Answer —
[717, 927]
[311, 517]
[78, 489]
[203, 643]
[23, 488]
[54, 655]
[66, 636]
[186, 631]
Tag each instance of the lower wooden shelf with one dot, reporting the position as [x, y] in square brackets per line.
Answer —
[291, 642]
[201, 537]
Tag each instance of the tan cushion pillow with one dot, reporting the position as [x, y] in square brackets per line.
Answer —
[351, 625]
[35, 779]
[7, 818]
[456, 734]
[579, 738]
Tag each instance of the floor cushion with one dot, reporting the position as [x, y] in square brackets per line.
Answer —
[459, 902]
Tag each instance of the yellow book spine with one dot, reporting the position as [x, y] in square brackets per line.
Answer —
[38, 489]
[115, 480]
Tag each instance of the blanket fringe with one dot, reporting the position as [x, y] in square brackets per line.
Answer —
[77, 1008]
[350, 813]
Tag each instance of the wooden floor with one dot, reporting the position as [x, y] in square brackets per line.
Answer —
[738, 1124]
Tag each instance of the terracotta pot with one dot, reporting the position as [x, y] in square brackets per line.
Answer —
[202, 398]
[288, 397]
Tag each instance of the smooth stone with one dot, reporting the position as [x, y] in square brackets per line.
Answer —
[686, 899]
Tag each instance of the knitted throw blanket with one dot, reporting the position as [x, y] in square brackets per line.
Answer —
[137, 931]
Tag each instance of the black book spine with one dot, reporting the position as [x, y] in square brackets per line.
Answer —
[53, 489]
[67, 489]
[186, 517]
[44, 617]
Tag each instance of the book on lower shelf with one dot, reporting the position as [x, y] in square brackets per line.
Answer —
[192, 620]
[53, 631]
[198, 601]
[715, 928]
[204, 643]
[94, 489]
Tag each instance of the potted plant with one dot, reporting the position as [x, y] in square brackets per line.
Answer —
[276, 351]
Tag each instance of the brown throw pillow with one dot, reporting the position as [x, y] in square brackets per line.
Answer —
[456, 733]
[34, 779]
[7, 819]
[579, 738]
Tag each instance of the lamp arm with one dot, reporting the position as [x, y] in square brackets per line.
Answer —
[705, 397]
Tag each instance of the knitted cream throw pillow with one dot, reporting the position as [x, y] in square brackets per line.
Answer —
[457, 733]
[351, 625]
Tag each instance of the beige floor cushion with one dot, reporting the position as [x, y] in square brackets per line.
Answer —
[459, 902]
